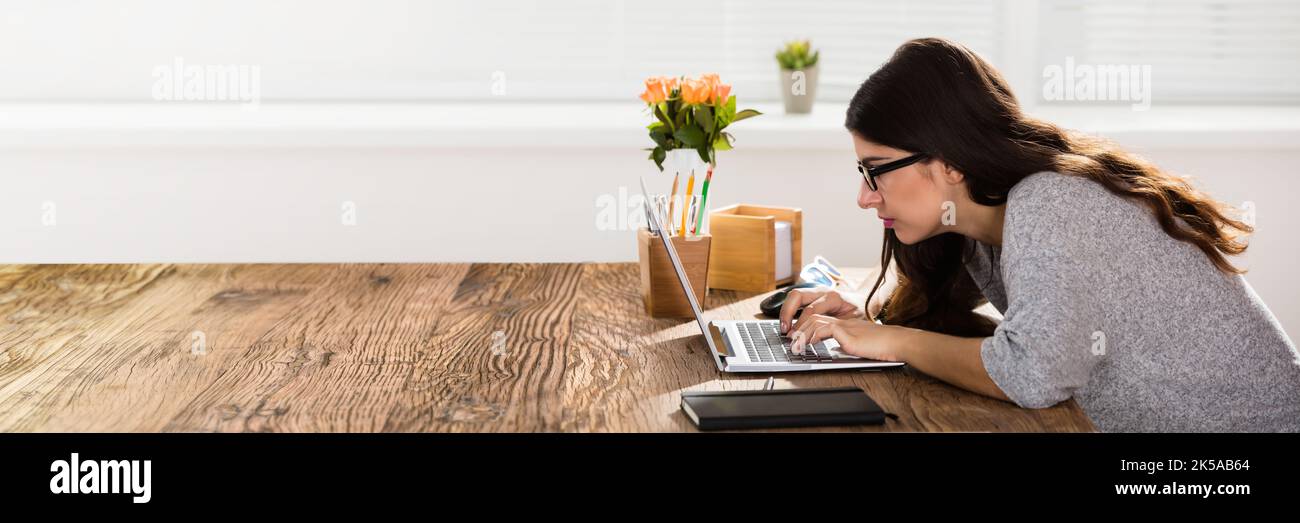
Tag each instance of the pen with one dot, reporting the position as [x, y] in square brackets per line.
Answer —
[704, 198]
[771, 383]
[690, 186]
[695, 211]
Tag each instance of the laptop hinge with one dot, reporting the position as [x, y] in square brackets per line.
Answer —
[720, 340]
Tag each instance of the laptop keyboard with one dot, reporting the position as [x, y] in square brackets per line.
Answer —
[764, 343]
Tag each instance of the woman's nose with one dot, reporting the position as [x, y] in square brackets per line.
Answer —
[868, 198]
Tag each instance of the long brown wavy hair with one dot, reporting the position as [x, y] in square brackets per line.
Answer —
[940, 98]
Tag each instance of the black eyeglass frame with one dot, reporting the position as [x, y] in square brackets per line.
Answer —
[871, 173]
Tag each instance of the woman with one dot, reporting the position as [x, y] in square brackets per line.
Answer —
[1112, 276]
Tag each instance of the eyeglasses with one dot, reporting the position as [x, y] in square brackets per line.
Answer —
[870, 173]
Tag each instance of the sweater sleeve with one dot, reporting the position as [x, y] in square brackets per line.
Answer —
[1051, 337]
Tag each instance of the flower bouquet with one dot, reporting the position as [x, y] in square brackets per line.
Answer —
[691, 118]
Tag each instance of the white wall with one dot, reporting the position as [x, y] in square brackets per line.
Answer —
[120, 197]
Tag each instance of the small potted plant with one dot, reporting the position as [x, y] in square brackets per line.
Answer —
[798, 63]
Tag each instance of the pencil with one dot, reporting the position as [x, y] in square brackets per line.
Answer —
[704, 200]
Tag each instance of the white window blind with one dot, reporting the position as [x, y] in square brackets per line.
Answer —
[854, 37]
[400, 50]
[1229, 51]
[425, 50]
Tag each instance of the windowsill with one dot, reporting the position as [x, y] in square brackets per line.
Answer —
[549, 125]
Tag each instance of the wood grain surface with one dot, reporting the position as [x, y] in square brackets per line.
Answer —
[392, 347]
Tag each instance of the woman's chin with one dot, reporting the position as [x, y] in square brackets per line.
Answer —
[902, 235]
[907, 236]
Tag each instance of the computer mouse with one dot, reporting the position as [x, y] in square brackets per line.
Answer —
[771, 305]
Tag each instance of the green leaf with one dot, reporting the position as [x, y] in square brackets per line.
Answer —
[725, 112]
[658, 156]
[704, 117]
[722, 142]
[747, 113]
[659, 113]
[679, 120]
[704, 153]
[660, 138]
[690, 135]
[797, 55]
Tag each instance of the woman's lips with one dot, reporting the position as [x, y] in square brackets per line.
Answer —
[889, 222]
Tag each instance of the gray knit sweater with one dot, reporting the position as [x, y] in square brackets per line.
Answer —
[1141, 329]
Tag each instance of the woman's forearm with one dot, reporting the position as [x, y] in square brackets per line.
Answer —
[952, 359]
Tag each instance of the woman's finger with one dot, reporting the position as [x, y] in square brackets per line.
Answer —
[796, 342]
[805, 327]
[822, 331]
[824, 305]
[807, 321]
[793, 300]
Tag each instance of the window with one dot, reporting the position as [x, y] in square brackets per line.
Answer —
[1197, 50]
[413, 50]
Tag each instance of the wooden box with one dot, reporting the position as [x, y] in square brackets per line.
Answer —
[744, 247]
[660, 290]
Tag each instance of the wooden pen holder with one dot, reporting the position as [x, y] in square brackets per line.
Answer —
[660, 290]
[744, 247]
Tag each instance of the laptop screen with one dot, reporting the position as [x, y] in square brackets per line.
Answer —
[656, 229]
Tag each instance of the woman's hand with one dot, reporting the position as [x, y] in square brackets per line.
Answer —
[856, 336]
[817, 301]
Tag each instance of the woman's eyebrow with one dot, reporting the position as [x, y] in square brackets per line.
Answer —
[871, 158]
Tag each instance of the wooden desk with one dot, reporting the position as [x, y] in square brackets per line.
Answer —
[391, 347]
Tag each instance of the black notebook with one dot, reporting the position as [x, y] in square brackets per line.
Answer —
[758, 409]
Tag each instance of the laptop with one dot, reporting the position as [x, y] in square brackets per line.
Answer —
[756, 345]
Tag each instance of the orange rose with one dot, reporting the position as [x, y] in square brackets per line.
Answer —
[718, 91]
[711, 79]
[721, 93]
[670, 83]
[695, 91]
[654, 90]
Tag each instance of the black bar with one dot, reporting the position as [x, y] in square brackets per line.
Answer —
[361, 470]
